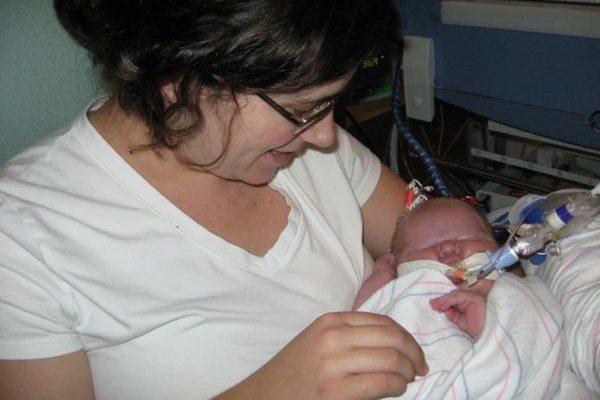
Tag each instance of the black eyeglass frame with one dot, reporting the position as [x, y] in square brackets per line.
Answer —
[300, 123]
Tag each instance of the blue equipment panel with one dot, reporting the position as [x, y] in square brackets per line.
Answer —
[542, 83]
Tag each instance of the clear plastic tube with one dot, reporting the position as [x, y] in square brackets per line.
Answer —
[566, 213]
[534, 239]
[570, 212]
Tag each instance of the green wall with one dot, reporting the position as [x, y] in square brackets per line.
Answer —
[45, 78]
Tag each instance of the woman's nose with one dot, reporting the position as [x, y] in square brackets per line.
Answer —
[448, 247]
[321, 133]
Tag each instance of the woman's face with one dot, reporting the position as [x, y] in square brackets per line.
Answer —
[262, 139]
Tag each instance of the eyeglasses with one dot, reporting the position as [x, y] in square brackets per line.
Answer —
[307, 118]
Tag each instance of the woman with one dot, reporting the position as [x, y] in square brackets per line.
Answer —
[176, 240]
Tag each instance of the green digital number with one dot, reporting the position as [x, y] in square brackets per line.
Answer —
[371, 62]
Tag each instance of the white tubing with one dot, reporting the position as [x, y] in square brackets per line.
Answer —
[492, 216]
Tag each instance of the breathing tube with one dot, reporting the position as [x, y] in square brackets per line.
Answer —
[556, 216]
[401, 128]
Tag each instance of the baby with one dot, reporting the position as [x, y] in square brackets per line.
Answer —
[504, 344]
[439, 233]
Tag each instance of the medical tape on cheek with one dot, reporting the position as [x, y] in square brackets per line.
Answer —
[467, 269]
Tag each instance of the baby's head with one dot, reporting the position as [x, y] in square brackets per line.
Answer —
[444, 230]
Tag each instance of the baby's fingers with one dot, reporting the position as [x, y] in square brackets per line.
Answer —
[457, 298]
[442, 303]
[452, 314]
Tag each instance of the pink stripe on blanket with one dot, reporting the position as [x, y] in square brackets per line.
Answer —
[553, 375]
[573, 291]
[462, 373]
[569, 257]
[508, 366]
[594, 344]
[377, 307]
[441, 283]
[420, 387]
[452, 328]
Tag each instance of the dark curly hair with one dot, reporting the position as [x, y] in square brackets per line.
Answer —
[221, 46]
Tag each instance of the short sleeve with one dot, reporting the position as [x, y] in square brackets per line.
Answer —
[35, 316]
[361, 166]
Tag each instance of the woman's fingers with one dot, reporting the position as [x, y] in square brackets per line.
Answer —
[379, 359]
[373, 386]
[368, 331]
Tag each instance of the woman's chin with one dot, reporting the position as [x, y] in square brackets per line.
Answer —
[258, 178]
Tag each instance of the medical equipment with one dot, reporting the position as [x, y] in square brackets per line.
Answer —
[560, 214]
[525, 73]
[527, 65]
[400, 127]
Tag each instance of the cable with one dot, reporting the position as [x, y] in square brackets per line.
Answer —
[393, 143]
[360, 132]
[438, 183]
[460, 131]
[457, 182]
[425, 138]
[441, 129]
[404, 159]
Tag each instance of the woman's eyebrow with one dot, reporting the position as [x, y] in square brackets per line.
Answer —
[319, 100]
[323, 99]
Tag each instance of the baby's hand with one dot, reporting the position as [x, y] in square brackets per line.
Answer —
[384, 271]
[464, 308]
[386, 262]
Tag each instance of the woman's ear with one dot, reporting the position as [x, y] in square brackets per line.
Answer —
[169, 92]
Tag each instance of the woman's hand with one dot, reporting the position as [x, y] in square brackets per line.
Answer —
[340, 356]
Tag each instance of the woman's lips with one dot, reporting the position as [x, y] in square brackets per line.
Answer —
[279, 157]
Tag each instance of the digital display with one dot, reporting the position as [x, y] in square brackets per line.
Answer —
[374, 79]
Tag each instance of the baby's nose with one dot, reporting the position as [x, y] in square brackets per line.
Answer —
[448, 247]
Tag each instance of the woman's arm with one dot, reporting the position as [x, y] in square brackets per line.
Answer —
[340, 356]
[66, 377]
[381, 211]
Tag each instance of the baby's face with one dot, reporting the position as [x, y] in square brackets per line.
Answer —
[447, 233]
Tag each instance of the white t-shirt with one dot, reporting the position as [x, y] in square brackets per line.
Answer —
[94, 258]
